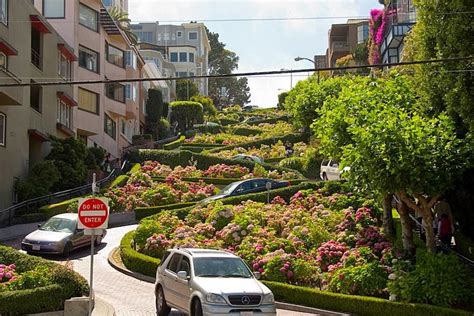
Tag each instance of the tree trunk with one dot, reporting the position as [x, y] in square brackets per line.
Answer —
[429, 231]
[388, 227]
[407, 232]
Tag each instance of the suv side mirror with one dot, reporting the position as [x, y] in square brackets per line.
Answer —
[257, 275]
[183, 275]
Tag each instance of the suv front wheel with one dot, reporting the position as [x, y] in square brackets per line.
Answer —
[162, 309]
[197, 308]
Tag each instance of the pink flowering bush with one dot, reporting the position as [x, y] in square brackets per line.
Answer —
[7, 274]
[301, 241]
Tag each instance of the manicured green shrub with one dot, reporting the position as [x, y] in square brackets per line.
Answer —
[40, 181]
[208, 129]
[186, 113]
[95, 157]
[295, 163]
[360, 305]
[244, 131]
[228, 121]
[207, 105]
[119, 181]
[135, 261]
[272, 120]
[58, 208]
[163, 128]
[174, 144]
[66, 284]
[29, 218]
[142, 212]
[135, 168]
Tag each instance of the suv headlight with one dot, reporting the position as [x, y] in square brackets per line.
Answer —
[215, 299]
[268, 299]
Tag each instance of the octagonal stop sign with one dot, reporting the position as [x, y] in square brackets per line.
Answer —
[93, 213]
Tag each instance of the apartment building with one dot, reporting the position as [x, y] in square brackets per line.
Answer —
[187, 47]
[31, 51]
[344, 38]
[107, 114]
[401, 16]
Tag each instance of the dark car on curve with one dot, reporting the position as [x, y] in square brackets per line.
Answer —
[246, 187]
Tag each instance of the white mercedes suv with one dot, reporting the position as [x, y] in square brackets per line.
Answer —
[209, 282]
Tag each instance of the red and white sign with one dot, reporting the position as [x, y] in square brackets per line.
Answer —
[93, 213]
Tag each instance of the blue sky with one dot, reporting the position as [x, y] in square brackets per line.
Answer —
[261, 45]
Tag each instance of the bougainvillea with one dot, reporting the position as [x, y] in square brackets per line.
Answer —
[377, 24]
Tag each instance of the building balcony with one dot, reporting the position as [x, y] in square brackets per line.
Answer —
[115, 108]
[394, 36]
[10, 95]
[340, 47]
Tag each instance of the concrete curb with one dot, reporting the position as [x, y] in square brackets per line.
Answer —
[290, 307]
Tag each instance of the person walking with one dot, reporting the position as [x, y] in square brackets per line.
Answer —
[445, 231]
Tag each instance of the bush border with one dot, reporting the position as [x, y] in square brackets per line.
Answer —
[135, 261]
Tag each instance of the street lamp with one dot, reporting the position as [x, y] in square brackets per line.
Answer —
[311, 60]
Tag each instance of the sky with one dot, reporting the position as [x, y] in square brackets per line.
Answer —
[261, 45]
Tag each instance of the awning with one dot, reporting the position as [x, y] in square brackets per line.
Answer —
[39, 24]
[66, 130]
[34, 133]
[7, 49]
[130, 115]
[63, 96]
[67, 51]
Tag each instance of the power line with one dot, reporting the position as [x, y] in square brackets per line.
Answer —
[243, 74]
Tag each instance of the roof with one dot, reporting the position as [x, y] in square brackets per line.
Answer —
[200, 252]
[66, 215]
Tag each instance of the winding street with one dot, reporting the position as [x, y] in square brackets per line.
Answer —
[129, 296]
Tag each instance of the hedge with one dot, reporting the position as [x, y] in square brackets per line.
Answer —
[183, 157]
[119, 181]
[58, 208]
[274, 160]
[135, 168]
[67, 284]
[135, 261]
[174, 144]
[142, 212]
[203, 145]
[272, 120]
[292, 138]
[360, 305]
[226, 121]
[219, 181]
[244, 131]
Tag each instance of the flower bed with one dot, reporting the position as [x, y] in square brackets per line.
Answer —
[264, 151]
[218, 171]
[314, 240]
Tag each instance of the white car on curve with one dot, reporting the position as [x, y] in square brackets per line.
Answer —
[210, 282]
[330, 170]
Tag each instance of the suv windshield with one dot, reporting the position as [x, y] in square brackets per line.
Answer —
[55, 224]
[221, 267]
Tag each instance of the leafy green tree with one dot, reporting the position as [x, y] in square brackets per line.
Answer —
[438, 34]
[186, 89]
[373, 127]
[69, 156]
[281, 100]
[154, 111]
[308, 96]
[223, 61]
[207, 105]
[186, 114]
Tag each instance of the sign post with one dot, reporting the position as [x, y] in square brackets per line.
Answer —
[93, 216]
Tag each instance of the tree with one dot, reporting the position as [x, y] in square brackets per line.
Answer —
[154, 111]
[281, 100]
[373, 127]
[307, 97]
[207, 104]
[445, 86]
[123, 22]
[186, 114]
[186, 89]
[223, 61]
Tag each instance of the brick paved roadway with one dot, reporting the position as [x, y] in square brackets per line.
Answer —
[129, 296]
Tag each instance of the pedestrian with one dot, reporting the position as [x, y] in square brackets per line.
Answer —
[288, 149]
[442, 207]
[445, 231]
[106, 163]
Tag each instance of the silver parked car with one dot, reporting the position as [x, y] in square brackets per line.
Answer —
[210, 282]
[250, 158]
[58, 235]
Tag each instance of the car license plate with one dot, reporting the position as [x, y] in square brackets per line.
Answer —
[246, 313]
[36, 247]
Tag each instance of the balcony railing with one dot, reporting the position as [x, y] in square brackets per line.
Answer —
[36, 58]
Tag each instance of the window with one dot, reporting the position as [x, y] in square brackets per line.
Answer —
[82, 138]
[130, 59]
[88, 59]
[159, 37]
[114, 55]
[166, 36]
[184, 265]
[88, 101]
[191, 57]
[145, 37]
[108, 3]
[36, 48]
[362, 33]
[123, 127]
[64, 114]
[174, 57]
[115, 91]
[54, 9]
[173, 265]
[179, 34]
[64, 67]
[3, 61]
[3, 129]
[192, 36]
[183, 57]
[110, 127]
[130, 91]
[4, 11]
[88, 17]
[35, 97]
[181, 74]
